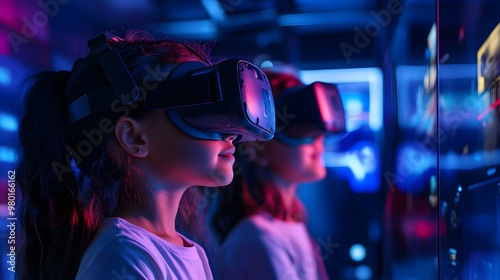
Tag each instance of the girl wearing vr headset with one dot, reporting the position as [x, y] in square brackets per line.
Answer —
[258, 216]
[101, 187]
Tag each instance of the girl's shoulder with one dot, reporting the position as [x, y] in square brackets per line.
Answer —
[262, 228]
[118, 249]
[266, 223]
[120, 245]
[116, 232]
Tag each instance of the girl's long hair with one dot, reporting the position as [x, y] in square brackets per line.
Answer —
[72, 177]
[250, 192]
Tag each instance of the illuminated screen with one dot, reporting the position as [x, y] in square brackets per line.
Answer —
[458, 106]
[360, 88]
[416, 106]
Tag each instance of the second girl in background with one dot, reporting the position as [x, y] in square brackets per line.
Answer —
[259, 218]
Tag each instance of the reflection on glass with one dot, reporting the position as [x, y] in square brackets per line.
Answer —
[469, 156]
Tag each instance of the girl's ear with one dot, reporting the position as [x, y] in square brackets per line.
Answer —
[132, 137]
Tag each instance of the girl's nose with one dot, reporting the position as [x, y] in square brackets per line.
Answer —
[319, 142]
[229, 137]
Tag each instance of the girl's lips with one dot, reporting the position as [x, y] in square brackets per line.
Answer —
[229, 156]
[316, 155]
[229, 152]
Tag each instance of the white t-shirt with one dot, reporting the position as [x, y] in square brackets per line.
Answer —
[263, 247]
[123, 251]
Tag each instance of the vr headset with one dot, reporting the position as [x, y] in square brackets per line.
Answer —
[305, 112]
[204, 101]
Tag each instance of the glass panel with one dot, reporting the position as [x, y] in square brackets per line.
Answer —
[468, 130]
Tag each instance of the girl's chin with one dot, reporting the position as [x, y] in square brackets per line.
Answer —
[315, 176]
[219, 179]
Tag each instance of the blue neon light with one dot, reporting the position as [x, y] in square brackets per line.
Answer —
[8, 122]
[5, 76]
[361, 162]
[491, 171]
[357, 252]
[7, 154]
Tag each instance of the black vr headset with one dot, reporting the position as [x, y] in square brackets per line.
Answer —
[204, 101]
[315, 109]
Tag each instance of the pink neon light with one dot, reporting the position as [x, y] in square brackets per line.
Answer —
[488, 110]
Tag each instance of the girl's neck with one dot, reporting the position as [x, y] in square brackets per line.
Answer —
[156, 214]
[288, 191]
